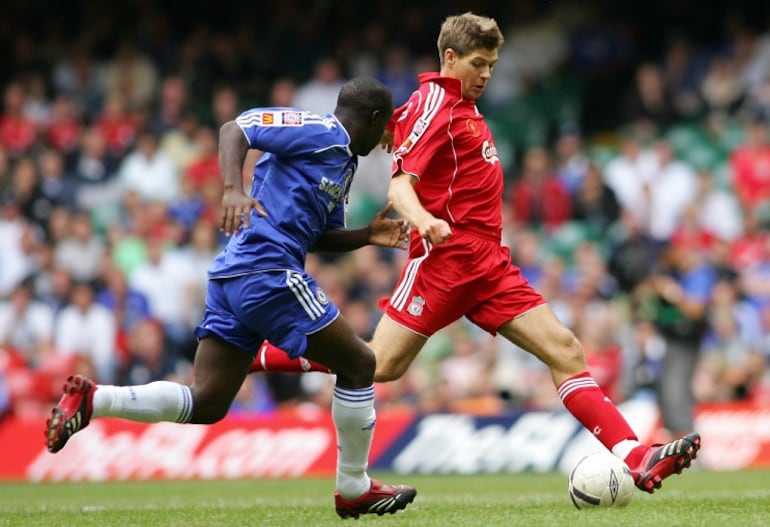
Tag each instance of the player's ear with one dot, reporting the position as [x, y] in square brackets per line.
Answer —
[450, 56]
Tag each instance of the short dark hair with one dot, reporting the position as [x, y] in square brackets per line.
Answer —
[364, 95]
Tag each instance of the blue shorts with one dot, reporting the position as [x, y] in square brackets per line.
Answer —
[283, 306]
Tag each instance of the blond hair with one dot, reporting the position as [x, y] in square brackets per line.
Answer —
[467, 32]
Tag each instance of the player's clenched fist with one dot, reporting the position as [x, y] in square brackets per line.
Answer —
[435, 230]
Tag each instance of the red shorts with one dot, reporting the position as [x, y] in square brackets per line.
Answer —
[466, 276]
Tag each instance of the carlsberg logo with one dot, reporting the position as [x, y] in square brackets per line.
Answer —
[489, 152]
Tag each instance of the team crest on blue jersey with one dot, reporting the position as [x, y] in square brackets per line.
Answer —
[416, 306]
[291, 118]
[321, 296]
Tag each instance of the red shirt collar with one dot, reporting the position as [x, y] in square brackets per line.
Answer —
[452, 84]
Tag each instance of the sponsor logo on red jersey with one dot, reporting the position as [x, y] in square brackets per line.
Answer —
[489, 152]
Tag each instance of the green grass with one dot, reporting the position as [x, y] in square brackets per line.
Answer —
[699, 498]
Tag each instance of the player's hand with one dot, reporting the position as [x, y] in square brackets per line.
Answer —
[386, 141]
[388, 232]
[434, 230]
[236, 211]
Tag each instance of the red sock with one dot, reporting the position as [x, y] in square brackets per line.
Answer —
[583, 398]
[270, 358]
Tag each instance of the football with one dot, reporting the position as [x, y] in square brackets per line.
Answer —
[600, 480]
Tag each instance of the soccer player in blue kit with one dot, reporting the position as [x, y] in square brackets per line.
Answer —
[258, 288]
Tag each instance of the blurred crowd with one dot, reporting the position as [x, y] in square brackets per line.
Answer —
[637, 191]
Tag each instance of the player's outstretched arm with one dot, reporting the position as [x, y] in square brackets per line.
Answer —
[406, 202]
[382, 231]
[236, 205]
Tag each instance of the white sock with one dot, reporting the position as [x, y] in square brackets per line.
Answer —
[354, 418]
[623, 448]
[148, 403]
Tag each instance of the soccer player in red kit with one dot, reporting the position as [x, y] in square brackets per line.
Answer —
[448, 183]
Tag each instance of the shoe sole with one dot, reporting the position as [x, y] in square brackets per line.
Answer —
[55, 432]
[401, 502]
[651, 482]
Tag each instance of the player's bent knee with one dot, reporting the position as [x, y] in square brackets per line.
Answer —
[356, 371]
[387, 372]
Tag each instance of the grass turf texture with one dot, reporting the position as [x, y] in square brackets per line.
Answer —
[698, 498]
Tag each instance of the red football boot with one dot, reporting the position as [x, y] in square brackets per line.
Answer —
[661, 461]
[72, 413]
[380, 499]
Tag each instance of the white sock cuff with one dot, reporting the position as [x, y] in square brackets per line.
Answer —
[354, 397]
[186, 411]
[623, 448]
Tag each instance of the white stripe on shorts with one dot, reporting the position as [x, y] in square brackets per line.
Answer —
[304, 295]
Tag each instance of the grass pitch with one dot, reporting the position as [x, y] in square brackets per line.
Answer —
[698, 498]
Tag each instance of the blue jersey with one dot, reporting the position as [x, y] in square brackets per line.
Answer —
[302, 180]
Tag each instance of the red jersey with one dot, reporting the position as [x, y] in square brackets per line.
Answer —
[751, 174]
[17, 134]
[443, 140]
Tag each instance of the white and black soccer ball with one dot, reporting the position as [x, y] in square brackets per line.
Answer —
[600, 480]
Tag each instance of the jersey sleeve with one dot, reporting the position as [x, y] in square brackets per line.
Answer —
[282, 131]
[420, 129]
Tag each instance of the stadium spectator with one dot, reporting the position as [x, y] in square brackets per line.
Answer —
[319, 94]
[81, 251]
[25, 189]
[149, 359]
[538, 197]
[79, 75]
[672, 188]
[87, 329]
[649, 100]
[718, 210]
[180, 142]
[750, 163]
[205, 167]
[26, 324]
[683, 67]
[397, 73]
[127, 305]
[131, 75]
[57, 187]
[571, 160]
[680, 293]
[63, 131]
[594, 203]
[628, 172]
[722, 89]
[732, 362]
[149, 171]
[169, 282]
[18, 240]
[18, 133]
[95, 168]
[117, 125]
[224, 106]
[172, 105]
